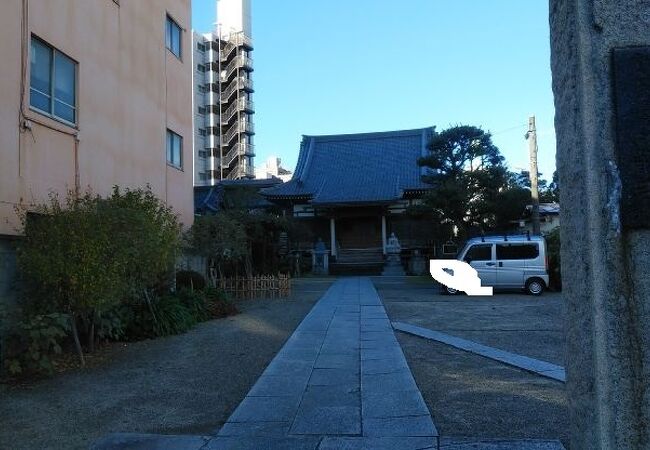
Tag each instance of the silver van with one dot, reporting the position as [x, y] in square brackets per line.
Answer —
[508, 262]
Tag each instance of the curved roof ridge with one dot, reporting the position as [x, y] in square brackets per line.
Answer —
[369, 135]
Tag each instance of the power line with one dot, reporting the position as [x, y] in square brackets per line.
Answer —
[510, 129]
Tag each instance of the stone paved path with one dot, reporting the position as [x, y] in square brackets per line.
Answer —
[340, 382]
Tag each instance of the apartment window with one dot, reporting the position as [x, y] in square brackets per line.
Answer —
[53, 82]
[174, 149]
[200, 68]
[202, 132]
[200, 46]
[201, 109]
[173, 37]
[202, 89]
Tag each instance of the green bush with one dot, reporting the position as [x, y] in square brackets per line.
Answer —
[88, 255]
[195, 301]
[172, 316]
[34, 342]
[219, 304]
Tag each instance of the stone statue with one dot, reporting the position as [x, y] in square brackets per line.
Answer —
[320, 246]
[320, 258]
[393, 245]
[393, 264]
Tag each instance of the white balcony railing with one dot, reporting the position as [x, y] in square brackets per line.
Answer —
[241, 104]
[240, 127]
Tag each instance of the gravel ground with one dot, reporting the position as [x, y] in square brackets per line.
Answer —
[186, 384]
[471, 396]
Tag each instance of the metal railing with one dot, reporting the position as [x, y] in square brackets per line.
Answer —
[237, 151]
[243, 169]
[240, 61]
[240, 127]
[235, 85]
[241, 104]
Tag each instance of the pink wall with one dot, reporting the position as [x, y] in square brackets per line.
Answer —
[130, 90]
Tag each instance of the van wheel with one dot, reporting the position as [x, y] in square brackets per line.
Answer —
[451, 291]
[535, 286]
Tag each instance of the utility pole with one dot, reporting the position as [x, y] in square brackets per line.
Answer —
[531, 136]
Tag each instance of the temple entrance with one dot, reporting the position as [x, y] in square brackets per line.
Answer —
[359, 232]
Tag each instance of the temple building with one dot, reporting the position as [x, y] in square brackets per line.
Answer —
[353, 191]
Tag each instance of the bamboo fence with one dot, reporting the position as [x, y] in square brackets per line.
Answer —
[273, 286]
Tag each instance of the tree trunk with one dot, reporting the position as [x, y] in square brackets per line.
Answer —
[75, 335]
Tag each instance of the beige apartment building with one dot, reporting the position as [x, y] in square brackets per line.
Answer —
[93, 93]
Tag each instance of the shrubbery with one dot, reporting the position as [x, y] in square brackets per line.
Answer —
[100, 268]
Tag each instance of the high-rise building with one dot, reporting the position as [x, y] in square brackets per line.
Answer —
[223, 88]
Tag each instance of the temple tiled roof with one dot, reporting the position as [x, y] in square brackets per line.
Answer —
[356, 168]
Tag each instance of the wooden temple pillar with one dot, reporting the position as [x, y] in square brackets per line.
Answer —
[333, 236]
[383, 233]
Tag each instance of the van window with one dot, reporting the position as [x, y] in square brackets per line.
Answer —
[517, 251]
[479, 252]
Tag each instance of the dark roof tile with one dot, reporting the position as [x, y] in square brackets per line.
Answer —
[357, 168]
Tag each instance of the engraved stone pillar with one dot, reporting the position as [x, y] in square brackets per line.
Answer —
[602, 100]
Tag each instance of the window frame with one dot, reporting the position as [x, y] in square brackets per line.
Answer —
[513, 245]
[52, 81]
[169, 150]
[170, 23]
[476, 245]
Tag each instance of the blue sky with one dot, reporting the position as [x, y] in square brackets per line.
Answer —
[346, 66]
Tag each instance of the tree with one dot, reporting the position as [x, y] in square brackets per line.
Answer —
[220, 238]
[468, 173]
[510, 207]
[552, 193]
[548, 192]
[66, 262]
[86, 256]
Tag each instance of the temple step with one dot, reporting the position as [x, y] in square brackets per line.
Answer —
[358, 261]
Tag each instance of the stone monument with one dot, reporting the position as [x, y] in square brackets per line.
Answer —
[600, 58]
[320, 259]
[417, 264]
[393, 264]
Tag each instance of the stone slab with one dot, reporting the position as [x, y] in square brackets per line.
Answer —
[278, 386]
[380, 443]
[266, 409]
[327, 420]
[536, 366]
[257, 429]
[385, 404]
[418, 426]
[389, 383]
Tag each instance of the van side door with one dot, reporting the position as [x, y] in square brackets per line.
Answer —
[481, 258]
[512, 259]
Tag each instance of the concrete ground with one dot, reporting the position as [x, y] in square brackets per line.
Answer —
[469, 395]
[186, 384]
